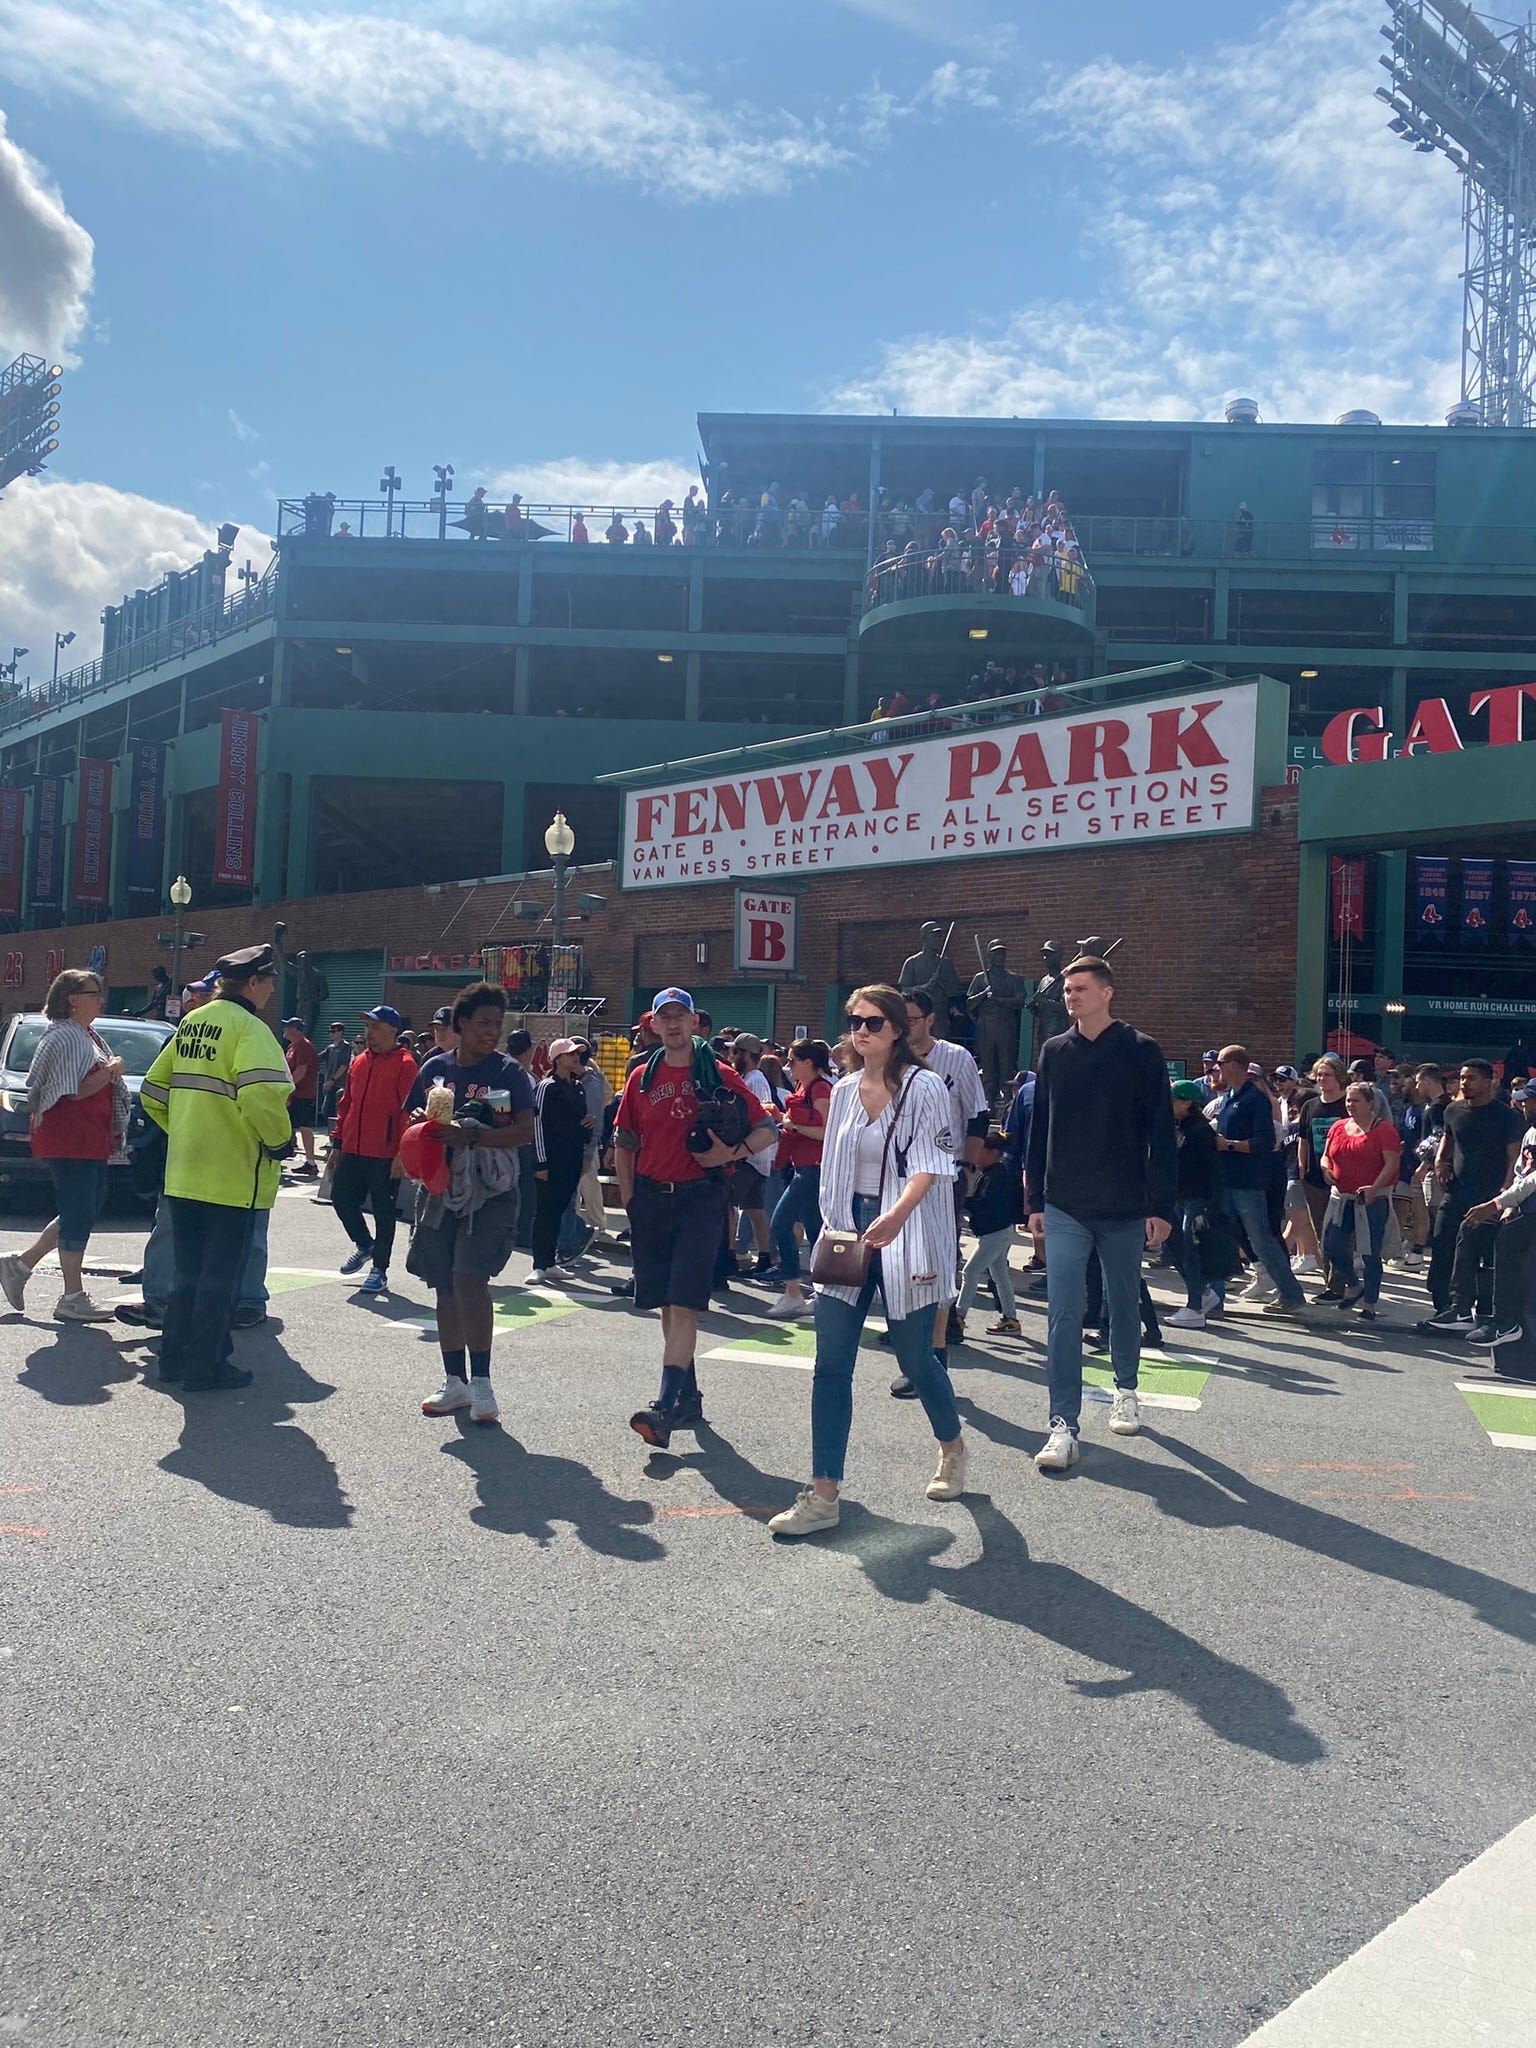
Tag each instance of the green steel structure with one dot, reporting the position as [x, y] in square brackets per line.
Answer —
[429, 699]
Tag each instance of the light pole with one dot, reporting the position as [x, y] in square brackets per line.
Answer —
[10, 667]
[559, 844]
[389, 483]
[443, 471]
[181, 896]
[60, 642]
[250, 578]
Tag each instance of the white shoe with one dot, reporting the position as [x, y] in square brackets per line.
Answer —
[14, 1275]
[1210, 1302]
[545, 1279]
[809, 1514]
[948, 1482]
[482, 1401]
[79, 1308]
[790, 1307]
[1259, 1288]
[1125, 1415]
[1306, 1266]
[451, 1396]
[1059, 1449]
[1186, 1319]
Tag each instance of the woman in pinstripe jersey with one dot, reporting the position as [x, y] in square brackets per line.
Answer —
[886, 1165]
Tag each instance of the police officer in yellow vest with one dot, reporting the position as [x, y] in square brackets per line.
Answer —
[219, 1090]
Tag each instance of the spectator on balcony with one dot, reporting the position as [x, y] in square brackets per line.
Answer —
[831, 519]
[925, 518]
[579, 533]
[641, 538]
[979, 502]
[515, 519]
[693, 517]
[344, 532]
[768, 533]
[798, 521]
[1242, 530]
[616, 532]
[663, 526]
[477, 515]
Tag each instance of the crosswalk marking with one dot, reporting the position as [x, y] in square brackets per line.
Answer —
[1508, 1414]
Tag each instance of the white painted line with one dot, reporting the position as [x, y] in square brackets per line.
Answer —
[1495, 1386]
[1458, 1970]
[1186, 1402]
[739, 1357]
[1506, 1442]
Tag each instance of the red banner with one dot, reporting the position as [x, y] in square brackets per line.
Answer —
[235, 818]
[93, 833]
[13, 803]
[1347, 886]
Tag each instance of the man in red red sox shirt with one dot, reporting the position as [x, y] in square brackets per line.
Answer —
[304, 1070]
[676, 1199]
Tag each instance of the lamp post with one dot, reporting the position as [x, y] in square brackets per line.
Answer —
[181, 896]
[559, 844]
[443, 471]
[389, 484]
[60, 642]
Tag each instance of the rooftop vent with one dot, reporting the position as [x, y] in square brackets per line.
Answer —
[1242, 412]
[1358, 418]
[1463, 414]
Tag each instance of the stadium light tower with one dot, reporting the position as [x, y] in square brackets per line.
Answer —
[29, 416]
[1464, 89]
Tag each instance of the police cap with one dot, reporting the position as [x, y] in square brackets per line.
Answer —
[247, 964]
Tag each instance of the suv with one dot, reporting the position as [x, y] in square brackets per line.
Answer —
[135, 1040]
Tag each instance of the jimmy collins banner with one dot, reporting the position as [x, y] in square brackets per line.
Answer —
[234, 837]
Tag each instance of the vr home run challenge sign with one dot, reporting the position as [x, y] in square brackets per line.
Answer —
[1170, 768]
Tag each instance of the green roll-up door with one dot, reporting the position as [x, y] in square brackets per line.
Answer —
[357, 983]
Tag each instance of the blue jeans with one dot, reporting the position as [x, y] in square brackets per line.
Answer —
[253, 1278]
[1069, 1240]
[1188, 1260]
[1250, 1206]
[80, 1190]
[160, 1261]
[799, 1203]
[838, 1326]
[1339, 1248]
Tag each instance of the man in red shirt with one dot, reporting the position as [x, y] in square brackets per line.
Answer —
[369, 1123]
[304, 1071]
[676, 1198]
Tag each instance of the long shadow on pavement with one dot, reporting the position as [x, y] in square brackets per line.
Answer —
[80, 1368]
[524, 1493]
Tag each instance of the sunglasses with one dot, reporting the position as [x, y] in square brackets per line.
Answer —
[875, 1023]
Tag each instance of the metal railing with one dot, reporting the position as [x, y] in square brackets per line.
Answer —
[972, 569]
[145, 651]
[727, 525]
[1312, 539]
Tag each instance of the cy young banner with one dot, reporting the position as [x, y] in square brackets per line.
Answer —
[1476, 901]
[1431, 882]
[45, 892]
[235, 823]
[13, 803]
[93, 833]
[145, 868]
[1521, 911]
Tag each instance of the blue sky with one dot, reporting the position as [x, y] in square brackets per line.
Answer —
[283, 242]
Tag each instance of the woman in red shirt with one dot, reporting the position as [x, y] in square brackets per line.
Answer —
[1360, 1164]
[804, 1130]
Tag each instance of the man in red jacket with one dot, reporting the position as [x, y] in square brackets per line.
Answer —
[369, 1122]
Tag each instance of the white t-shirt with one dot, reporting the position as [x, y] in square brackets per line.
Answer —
[868, 1152]
[759, 1084]
[962, 1079]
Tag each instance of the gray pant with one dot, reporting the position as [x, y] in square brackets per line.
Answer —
[160, 1262]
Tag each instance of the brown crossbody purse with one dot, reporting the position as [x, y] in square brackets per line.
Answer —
[841, 1258]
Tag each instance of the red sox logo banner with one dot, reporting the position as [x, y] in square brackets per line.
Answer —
[1104, 775]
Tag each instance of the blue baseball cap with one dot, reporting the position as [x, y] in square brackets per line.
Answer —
[383, 1014]
[671, 995]
[292, 1024]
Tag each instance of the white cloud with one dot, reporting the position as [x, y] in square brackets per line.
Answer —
[251, 74]
[961, 85]
[67, 549]
[45, 260]
[242, 431]
[1258, 230]
[572, 481]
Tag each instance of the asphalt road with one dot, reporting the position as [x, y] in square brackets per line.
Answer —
[329, 1723]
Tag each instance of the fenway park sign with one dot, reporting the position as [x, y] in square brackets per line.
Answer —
[1171, 768]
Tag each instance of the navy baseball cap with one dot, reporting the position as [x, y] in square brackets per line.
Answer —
[442, 1016]
[671, 995]
[291, 1023]
[383, 1014]
[1286, 1074]
[1208, 1059]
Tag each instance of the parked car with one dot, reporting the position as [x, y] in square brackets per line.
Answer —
[135, 1040]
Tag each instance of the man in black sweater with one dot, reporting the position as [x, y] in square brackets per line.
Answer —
[1100, 1175]
[562, 1125]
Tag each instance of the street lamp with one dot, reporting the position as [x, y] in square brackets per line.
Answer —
[60, 642]
[389, 484]
[443, 471]
[181, 896]
[559, 844]
[10, 667]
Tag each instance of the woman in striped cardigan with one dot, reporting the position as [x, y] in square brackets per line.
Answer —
[886, 1167]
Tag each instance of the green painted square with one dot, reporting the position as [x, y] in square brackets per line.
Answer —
[1178, 1376]
[295, 1283]
[789, 1340]
[509, 1314]
[1509, 1414]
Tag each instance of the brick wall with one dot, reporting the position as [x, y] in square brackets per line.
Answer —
[1207, 930]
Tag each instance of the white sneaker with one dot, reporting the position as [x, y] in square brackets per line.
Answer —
[79, 1308]
[948, 1482]
[1413, 1258]
[1125, 1414]
[809, 1514]
[482, 1401]
[1259, 1288]
[1210, 1302]
[1306, 1266]
[14, 1275]
[545, 1279]
[1059, 1449]
[1186, 1319]
[790, 1307]
[450, 1397]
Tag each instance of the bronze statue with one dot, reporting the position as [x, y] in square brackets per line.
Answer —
[931, 971]
[1050, 1012]
[312, 989]
[995, 999]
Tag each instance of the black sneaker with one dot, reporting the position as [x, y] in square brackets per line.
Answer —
[622, 1288]
[1482, 1333]
[687, 1411]
[954, 1330]
[902, 1388]
[1446, 1323]
[1510, 1334]
[653, 1425]
[250, 1317]
[225, 1380]
[142, 1315]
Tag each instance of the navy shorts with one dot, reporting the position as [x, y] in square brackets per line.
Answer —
[80, 1189]
[674, 1241]
[480, 1244]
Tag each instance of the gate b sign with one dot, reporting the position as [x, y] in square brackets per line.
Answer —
[767, 931]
